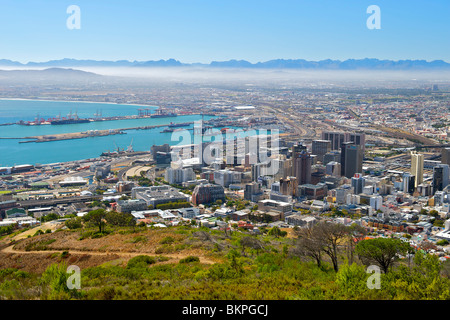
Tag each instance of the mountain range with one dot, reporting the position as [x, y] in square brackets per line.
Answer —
[349, 64]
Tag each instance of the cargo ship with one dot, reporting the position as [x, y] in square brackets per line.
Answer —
[160, 113]
[71, 119]
[182, 124]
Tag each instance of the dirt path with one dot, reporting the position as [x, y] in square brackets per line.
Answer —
[174, 256]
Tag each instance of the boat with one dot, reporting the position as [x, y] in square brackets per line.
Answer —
[182, 124]
[163, 115]
[71, 119]
[160, 113]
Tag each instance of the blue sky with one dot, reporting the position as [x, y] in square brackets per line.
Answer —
[208, 30]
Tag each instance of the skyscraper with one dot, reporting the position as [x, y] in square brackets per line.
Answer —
[417, 167]
[351, 159]
[445, 156]
[332, 156]
[359, 138]
[301, 164]
[358, 183]
[440, 177]
[336, 138]
[320, 148]
[408, 182]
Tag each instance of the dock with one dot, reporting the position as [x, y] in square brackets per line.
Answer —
[84, 134]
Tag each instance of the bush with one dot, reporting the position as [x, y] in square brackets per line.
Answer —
[39, 245]
[141, 261]
[167, 240]
[442, 242]
[38, 233]
[190, 259]
[164, 249]
[74, 223]
[139, 239]
[49, 217]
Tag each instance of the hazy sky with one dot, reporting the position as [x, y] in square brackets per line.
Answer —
[208, 30]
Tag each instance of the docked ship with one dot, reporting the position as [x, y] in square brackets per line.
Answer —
[37, 121]
[160, 113]
[182, 124]
[71, 119]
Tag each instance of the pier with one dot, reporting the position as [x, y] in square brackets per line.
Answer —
[84, 134]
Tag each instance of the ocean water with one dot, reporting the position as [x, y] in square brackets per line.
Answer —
[14, 153]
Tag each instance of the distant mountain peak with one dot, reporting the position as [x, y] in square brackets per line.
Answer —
[327, 64]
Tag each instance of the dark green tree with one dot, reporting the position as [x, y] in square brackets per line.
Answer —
[97, 218]
[382, 251]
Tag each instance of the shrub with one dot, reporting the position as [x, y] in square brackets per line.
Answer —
[190, 259]
[139, 239]
[164, 249]
[38, 233]
[39, 245]
[141, 261]
[167, 240]
[74, 223]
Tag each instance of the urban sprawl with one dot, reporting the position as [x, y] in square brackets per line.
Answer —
[378, 160]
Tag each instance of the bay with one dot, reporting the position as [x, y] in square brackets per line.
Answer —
[14, 153]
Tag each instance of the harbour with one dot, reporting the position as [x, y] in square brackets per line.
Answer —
[143, 130]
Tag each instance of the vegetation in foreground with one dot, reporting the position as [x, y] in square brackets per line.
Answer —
[266, 267]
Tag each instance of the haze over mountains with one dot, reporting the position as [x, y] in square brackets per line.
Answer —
[349, 64]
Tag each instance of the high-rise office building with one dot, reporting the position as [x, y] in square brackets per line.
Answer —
[336, 138]
[289, 186]
[358, 138]
[301, 164]
[301, 167]
[408, 183]
[440, 177]
[445, 156]
[297, 149]
[351, 159]
[332, 156]
[320, 148]
[417, 167]
[358, 183]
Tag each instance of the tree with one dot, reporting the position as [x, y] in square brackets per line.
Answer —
[119, 219]
[97, 218]
[49, 217]
[309, 245]
[434, 213]
[331, 234]
[74, 223]
[355, 232]
[382, 251]
[277, 232]
[252, 243]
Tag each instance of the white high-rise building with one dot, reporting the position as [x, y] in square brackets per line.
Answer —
[417, 167]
